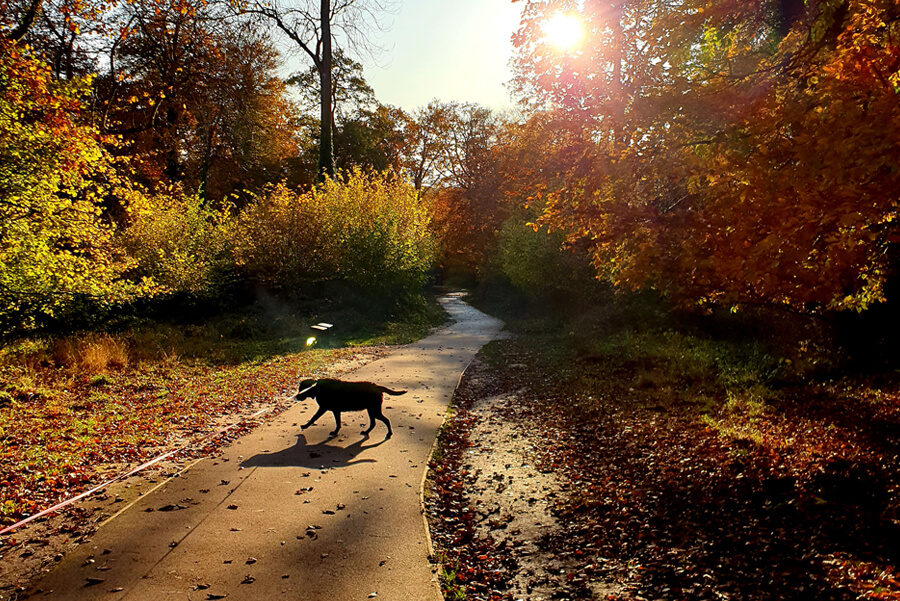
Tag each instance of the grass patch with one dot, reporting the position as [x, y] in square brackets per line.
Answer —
[265, 330]
[644, 356]
[449, 579]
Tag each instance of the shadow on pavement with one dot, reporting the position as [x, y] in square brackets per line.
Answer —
[325, 454]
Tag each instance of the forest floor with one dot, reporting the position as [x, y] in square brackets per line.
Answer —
[79, 410]
[661, 465]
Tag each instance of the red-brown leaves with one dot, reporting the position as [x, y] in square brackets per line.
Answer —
[724, 162]
[798, 499]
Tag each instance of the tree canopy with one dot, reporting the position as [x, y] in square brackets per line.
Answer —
[727, 153]
[721, 154]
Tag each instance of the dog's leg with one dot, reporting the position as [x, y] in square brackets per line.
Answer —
[337, 422]
[313, 419]
[371, 422]
[376, 412]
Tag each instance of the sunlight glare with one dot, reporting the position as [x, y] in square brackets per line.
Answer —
[565, 31]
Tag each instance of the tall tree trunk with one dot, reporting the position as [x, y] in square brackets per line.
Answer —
[326, 151]
[203, 188]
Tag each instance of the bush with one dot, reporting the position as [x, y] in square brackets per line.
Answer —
[367, 230]
[536, 262]
[179, 244]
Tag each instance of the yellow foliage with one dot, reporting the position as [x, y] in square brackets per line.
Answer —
[177, 242]
[367, 229]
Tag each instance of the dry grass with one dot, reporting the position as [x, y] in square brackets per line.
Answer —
[92, 353]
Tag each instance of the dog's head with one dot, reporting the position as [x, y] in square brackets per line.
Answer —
[306, 389]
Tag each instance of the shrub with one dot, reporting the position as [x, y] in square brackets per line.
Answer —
[536, 262]
[368, 230]
[179, 243]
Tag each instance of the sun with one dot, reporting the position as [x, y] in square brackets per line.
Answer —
[563, 30]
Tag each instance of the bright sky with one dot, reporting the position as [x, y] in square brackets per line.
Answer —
[445, 49]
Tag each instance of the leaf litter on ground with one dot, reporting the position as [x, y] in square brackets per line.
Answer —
[657, 498]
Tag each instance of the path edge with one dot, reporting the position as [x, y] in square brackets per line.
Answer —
[429, 544]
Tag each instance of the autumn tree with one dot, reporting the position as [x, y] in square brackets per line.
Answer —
[18, 18]
[196, 94]
[245, 128]
[314, 28]
[52, 25]
[56, 248]
[350, 92]
[425, 137]
[366, 133]
[727, 153]
[450, 155]
[371, 139]
[57, 31]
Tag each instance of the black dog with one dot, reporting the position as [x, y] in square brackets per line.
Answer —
[337, 396]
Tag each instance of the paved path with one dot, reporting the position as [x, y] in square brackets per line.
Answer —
[284, 515]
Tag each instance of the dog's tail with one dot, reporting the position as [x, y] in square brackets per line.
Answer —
[392, 392]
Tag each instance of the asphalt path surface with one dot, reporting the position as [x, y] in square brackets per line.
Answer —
[285, 514]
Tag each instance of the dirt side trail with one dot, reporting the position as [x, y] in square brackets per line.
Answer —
[285, 514]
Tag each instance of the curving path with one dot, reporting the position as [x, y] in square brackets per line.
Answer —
[285, 515]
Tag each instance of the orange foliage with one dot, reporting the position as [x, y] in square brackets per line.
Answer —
[719, 161]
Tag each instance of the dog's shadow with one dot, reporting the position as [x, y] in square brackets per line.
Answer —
[319, 455]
